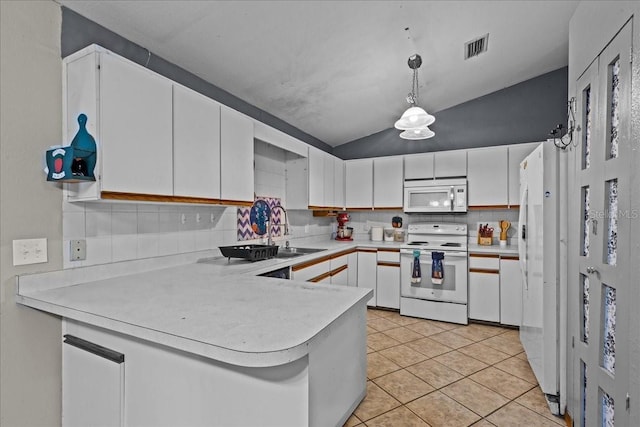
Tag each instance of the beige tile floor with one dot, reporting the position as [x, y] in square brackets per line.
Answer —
[427, 373]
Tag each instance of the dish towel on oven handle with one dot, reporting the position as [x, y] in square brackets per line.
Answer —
[437, 269]
[416, 274]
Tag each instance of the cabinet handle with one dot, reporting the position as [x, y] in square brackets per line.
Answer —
[94, 348]
[320, 277]
[388, 264]
[484, 270]
[338, 270]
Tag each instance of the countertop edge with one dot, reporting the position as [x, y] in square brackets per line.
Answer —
[232, 357]
[493, 249]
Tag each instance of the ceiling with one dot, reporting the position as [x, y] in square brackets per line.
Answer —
[337, 70]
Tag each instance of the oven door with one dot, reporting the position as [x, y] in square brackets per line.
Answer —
[453, 287]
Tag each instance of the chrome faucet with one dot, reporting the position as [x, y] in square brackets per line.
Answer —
[285, 225]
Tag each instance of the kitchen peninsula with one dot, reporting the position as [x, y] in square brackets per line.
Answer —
[207, 343]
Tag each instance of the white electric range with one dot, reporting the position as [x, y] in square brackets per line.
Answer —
[446, 301]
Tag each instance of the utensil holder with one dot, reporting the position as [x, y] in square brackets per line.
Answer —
[485, 241]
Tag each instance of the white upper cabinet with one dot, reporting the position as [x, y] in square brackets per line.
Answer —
[487, 176]
[236, 157]
[328, 181]
[316, 177]
[196, 144]
[517, 153]
[135, 128]
[338, 182]
[387, 182]
[418, 166]
[156, 140]
[449, 164]
[358, 175]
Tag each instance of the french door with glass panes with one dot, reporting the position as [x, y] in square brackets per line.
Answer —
[599, 271]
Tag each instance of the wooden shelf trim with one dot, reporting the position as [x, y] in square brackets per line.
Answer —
[137, 197]
[397, 250]
[484, 270]
[310, 263]
[388, 264]
[371, 250]
[342, 253]
[477, 255]
[320, 277]
[338, 270]
[510, 257]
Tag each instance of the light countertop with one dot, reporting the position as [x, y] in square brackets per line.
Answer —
[216, 309]
[509, 250]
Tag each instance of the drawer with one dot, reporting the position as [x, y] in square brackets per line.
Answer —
[389, 255]
[484, 261]
[310, 270]
[339, 261]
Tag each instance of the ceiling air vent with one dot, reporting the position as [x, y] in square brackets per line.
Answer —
[476, 46]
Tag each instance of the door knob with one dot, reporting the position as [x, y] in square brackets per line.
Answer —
[591, 270]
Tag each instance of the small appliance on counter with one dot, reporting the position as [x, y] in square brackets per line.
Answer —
[389, 233]
[398, 232]
[344, 232]
[377, 233]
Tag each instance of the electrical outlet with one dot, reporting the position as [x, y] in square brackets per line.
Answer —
[29, 251]
[78, 250]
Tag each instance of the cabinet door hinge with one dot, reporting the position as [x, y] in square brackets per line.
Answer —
[628, 404]
[630, 54]
[573, 342]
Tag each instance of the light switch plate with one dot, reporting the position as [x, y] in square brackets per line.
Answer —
[29, 251]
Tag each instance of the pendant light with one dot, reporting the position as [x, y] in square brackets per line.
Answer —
[415, 120]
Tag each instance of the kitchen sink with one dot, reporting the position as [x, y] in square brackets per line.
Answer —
[294, 252]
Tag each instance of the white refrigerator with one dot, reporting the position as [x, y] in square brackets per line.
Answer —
[539, 253]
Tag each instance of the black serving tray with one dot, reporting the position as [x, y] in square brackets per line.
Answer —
[249, 252]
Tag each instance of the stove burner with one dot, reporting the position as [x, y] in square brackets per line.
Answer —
[417, 243]
[455, 245]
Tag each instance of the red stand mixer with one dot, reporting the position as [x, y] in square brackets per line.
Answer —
[344, 232]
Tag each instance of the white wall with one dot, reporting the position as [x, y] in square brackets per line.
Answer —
[30, 121]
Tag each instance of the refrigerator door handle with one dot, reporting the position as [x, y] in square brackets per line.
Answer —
[522, 235]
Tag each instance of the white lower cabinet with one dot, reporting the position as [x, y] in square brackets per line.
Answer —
[339, 265]
[92, 384]
[316, 270]
[484, 295]
[353, 269]
[341, 276]
[510, 291]
[367, 272]
[495, 288]
[388, 278]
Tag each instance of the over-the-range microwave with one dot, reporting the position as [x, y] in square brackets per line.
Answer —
[444, 195]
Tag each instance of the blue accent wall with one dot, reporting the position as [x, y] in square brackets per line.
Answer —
[525, 112]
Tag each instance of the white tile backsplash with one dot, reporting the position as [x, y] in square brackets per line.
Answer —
[124, 222]
[124, 247]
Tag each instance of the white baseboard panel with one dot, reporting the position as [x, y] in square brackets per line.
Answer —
[434, 310]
